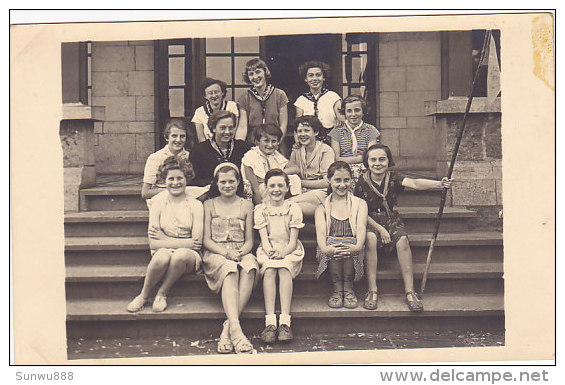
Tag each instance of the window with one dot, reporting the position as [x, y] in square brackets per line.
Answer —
[226, 58]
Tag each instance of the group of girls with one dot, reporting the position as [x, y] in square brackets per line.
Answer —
[347, 188]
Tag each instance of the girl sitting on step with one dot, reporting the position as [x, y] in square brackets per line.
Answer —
[228, 264]
[280, 253]
[175, 234]
[378, 186]
[340, 232]
[310, 160]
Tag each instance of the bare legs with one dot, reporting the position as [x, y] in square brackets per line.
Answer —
[170, 263]
[236, 290]
[270, 290]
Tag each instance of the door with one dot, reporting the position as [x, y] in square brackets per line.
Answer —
[285, 53]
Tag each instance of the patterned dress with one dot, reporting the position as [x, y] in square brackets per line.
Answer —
[230, 232]
[381, 199]
[279, 221]
[341, 231]
[353, 141]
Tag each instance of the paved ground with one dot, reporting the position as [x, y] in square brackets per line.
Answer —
[179, 346]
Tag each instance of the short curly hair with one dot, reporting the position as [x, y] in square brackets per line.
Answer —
[267, 129]
[219, 115]
[176, 163]
[353, 99]
[304, 67]
[181, 124]
[210, 82]
[251, 65]
[310, 121]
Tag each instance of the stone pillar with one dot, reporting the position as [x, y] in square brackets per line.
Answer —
[76, 132]
[478, 167]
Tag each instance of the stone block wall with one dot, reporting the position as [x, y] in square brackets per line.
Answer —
[478, 167]
[409, 75]
[123, 82]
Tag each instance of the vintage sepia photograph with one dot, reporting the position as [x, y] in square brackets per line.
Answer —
[327, 189]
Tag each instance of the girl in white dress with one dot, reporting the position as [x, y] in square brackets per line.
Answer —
[280, 253]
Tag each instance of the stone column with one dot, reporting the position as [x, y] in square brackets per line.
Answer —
[478, 167]
[76, 132]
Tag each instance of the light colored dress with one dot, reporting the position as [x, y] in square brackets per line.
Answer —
[174, 218]
[279, 221]
[260, 163]
[230, 232]
[202, 114]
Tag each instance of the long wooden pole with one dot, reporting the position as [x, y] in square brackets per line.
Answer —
[452, 164]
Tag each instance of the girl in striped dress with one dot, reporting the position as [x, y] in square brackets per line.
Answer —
[350, 140]
[340, 232]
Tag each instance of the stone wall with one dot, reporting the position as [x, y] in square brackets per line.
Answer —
[123, 82]
[478, 166]
[409, 75]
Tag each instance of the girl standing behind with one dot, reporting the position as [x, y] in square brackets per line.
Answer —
[214, 92]
[175, 234]
[350, 140]
[340, 233]
[378, 187]
[262, 103]
[319, 101]
[228, 264]
[280, 252]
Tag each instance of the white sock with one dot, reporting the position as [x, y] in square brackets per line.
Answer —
[284, 319]
[271, 319]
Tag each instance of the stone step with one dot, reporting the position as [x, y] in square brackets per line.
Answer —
[104, 198]
[392, 305]
[126, 281]
[134, 222]
[471, 238]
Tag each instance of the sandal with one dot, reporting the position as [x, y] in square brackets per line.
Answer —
[242, 344]
[415, 304]
[137, 304]
[160, 303]
[224, 344]
[336, 300]
[371, 299]
[349, 299]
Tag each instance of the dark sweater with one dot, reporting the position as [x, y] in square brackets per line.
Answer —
[205, 159]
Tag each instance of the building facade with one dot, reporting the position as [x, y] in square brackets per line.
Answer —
[413, 82]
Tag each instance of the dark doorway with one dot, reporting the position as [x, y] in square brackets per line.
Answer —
[285, 53]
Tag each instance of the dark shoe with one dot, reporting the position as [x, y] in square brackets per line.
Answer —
[371, 299]
[269, 334]
[285, 334]
[414, 304]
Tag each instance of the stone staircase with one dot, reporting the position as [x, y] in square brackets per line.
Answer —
[106, 254]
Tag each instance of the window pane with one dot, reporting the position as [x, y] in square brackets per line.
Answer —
[246, 44]
[176, 71]
[176, 103]
[240, 67]
[358, 65]
[218, 45]
[219, 68]
[357, 91]
[176, 50]
[89, 70]
[239, 91]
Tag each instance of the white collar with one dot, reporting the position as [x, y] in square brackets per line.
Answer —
[354, 128]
